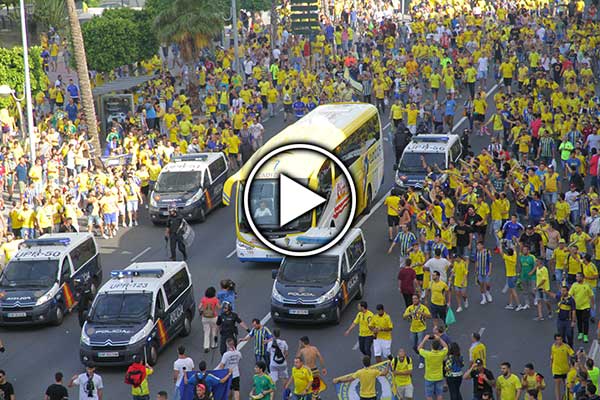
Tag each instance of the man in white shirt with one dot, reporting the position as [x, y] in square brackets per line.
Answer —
[90, 384]
[231, 361]
[439, 264]
[180, 366]
[278, 365]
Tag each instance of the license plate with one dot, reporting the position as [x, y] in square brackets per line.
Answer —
[108, 354]
[16, 314]
[298, 312]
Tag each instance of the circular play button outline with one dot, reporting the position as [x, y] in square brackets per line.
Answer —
[339, 236]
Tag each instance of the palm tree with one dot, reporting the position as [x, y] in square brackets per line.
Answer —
[191, 23]
[87, 99]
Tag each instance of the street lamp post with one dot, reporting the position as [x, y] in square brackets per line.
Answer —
[28, 102]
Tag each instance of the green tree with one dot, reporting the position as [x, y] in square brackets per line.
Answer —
[51, 13]
[12, 71]
[255, 5]
[143, 35]
[109, 44]
[191, 23]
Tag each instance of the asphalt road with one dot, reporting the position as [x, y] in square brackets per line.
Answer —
[41, 351]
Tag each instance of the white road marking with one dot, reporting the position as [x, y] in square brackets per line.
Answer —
[355, 347]
[231, 254]
[481, 330]
[147, 249]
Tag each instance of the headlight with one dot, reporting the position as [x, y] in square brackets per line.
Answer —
[140, 335]
[194, 198]
[85, 339]
[330, 294]
[43, 299]
[276, 295]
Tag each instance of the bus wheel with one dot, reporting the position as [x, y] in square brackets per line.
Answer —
[152, 355]
[369, 201]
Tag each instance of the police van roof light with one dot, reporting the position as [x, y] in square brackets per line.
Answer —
[119, 274]
[59, 241]
[190, 157]
[431, 139]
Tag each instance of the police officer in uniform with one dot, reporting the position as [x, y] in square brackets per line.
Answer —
[174, 233]
[227, 323]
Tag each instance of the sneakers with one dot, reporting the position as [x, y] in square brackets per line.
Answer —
[519, 308]
[135, 223]
[526, 307]
[580, 336]
[483, 301]
[488, 296]
[459, 309]
[509, 307]
[421, 365]
[466, 303]
[585, 339]
[104, 236]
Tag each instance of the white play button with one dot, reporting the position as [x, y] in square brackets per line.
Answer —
[295, 200]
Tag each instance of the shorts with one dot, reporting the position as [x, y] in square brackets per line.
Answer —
[110, 218]
[438, 311]
[541, 295]
[121, 207]
[481, 74]
[278, 372]
[420, 278]
[460, 289]
[434, 388]
[382, 347]
[393, 220]
[507, 82]
[405, 391]
[483, 279]
[560, 376]
[478, 117]
[132, 205]
[94, 220]
[511, 282]
[145, 189]
[235, 384]
[288, 108]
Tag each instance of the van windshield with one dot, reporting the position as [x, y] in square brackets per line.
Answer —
[320, 270]
[30, 273]
[178, 181]
[411, 162]
[122, 308]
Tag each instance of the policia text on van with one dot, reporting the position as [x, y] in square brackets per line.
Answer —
[317, 289]
[47, 277]
[137, 313]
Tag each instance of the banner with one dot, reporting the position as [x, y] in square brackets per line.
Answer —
[350, 390]
[219, 392]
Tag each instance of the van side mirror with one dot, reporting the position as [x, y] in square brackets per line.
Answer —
[161, 314]
[274, 273]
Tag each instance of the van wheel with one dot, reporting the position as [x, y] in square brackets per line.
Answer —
[361, 290]
[338, 316]
[152, 354]
[369, 201]
[187, 326]
[59, 316]
[202, 214]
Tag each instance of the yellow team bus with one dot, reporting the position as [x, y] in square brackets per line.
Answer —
[352, 131]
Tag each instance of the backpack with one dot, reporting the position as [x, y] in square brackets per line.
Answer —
[278, 357]
[135, 375]
[395, 362]
[209, 311]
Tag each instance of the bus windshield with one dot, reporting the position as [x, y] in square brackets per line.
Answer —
[320, 269]
[122, 307]
[30, 273]
[180, 181]
[411, 162]
[264, 206]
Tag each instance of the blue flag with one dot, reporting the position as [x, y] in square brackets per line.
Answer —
[220, 391]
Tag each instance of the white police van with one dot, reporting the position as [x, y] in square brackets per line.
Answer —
[435, 149]
[191, 182]
[318, 288]
[138, 312]
[46, 278]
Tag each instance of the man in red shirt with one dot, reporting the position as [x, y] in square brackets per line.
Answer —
[407, 282]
